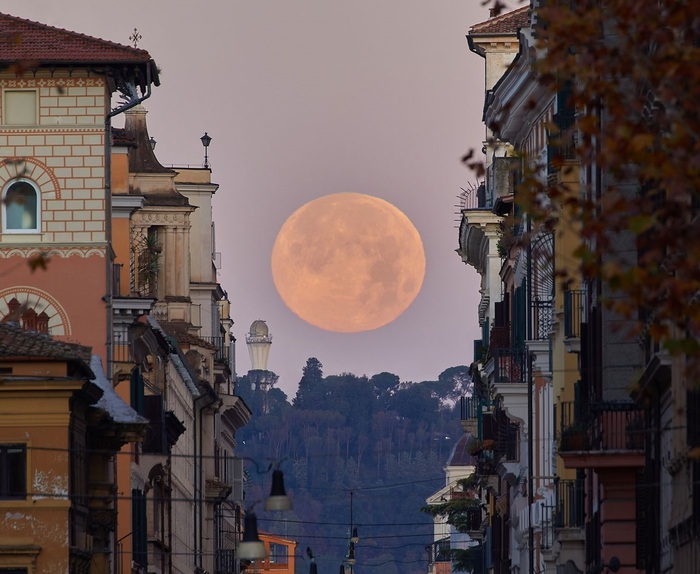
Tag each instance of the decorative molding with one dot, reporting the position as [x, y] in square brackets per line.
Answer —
[40, 301]
[62, 251]
[159, 218]
[30, 168]
[51, 82]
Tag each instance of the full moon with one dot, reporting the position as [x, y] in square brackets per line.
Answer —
[348, 262]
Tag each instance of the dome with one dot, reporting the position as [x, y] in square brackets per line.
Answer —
[461, 454]
[259, 328]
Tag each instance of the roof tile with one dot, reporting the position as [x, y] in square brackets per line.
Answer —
[25, 40]
[508, 23]
[18, 343]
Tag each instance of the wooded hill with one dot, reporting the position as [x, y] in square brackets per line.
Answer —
[381, 439]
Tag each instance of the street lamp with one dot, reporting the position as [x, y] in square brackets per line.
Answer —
[251, 547]
[206, 140]
[152, 142]
[278, 499]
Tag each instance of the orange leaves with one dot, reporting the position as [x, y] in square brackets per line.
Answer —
[629, 71]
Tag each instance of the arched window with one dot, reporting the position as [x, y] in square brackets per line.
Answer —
[20, 207]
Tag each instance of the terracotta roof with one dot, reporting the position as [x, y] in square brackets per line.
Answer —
[508, 23]
[17, 343]
[179, 332]
[461, 453]
[28, 41]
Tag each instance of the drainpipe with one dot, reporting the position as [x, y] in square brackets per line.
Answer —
[109, 258]
[530, 408]
[199, 458]
[109, 271]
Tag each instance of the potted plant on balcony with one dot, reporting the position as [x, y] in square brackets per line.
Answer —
[573, 437]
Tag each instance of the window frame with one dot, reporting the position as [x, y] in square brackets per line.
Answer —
[5, 495]
[6, 188]
[4, 106]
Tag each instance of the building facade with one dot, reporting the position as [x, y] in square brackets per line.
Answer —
[102, 244]
[573, 452]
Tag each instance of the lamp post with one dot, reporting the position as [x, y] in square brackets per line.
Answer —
[206, 140]
[353, 539]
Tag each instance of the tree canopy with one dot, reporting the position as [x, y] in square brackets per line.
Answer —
[346, 432]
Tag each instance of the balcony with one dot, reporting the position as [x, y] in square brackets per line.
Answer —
[469, 408]
[499, 338]
[473, 519]
[605, 435]
[225, 561]
[510, 365]
[122, 348]
[568, 512]
[222, 353]
[575, 314]
[469, 414]
[542, 312]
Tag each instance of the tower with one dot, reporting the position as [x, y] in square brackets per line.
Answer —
[258, 341]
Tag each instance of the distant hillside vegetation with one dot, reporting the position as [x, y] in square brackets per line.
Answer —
[385, 440]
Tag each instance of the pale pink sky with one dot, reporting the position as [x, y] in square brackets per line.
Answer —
[303, 98]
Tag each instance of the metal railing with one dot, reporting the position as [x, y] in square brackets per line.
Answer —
[469, 407]
[510, 365]
[440, 551]
[542, 318]
[547, 512]
[574, 312]
[603, 426]
[473, 198]
[568, 512]
[122, 349]
[225, 561]
[222, 349]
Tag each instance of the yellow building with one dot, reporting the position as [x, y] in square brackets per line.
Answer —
[61, 425]
[280, 555]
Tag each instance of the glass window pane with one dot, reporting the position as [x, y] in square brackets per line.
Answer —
[21, 206]
[13, 471]
[17, 486]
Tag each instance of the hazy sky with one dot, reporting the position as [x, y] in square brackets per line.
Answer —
[304, 98]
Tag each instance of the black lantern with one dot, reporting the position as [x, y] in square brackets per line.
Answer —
[206, 140]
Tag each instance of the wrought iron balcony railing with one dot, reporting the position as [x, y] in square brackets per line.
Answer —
[510, 365]
[542, 318]
[440, 551]
[122, 349]
[225, 561]
[469, 408]
[604, 426]
[222, 349]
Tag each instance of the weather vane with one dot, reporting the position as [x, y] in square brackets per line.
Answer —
[135, 37]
